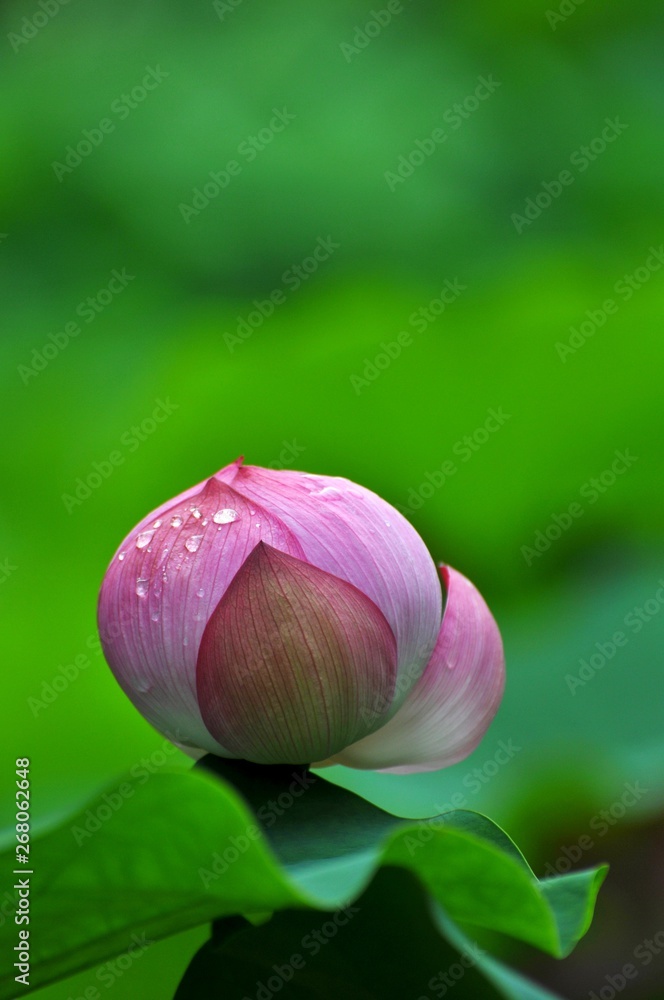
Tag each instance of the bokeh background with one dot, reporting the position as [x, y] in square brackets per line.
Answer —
[519, 94]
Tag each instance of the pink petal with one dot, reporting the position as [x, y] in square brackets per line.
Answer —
[352, 533]
[294, 664]
[225, 475]
[160, 590]
[448, 711]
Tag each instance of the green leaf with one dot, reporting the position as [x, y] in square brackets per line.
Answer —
[329, 839]
[391, 943]
[160, 855]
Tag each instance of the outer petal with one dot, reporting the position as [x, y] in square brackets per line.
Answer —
[293, 662]
[448, 711]
[160, 590]
[354, 534]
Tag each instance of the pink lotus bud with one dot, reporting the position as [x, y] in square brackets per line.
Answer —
[282, 617]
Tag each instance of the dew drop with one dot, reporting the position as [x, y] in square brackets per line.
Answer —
[225, 516]
[121, 557]
[205, 522]
[142, 588]
[200, 593]
[164, 577]
[192, 544]
[144, 539]
[195, 511]
[155, 616]
[157, 523]
[185, 641]
[176, 521]
[329, 493]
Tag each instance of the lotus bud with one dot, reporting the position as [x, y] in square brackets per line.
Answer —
[283, 617]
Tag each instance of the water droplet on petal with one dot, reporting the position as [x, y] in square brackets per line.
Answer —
[142, 587]
[176, 521]
[144, 539]
[388, 524]
[195, 511]
[205, 522]
[155, 616]
[121, 556]
[200, 593]
[185, 641]
[329, 493]
[225, 516]
[157, 523]
[192, 544]
[164, 577]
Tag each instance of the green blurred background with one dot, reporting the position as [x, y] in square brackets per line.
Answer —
[313, 387]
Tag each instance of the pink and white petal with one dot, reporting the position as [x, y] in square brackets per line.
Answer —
[448, 711]
[160, 590]
[294, 663]
[225, 475]
[352, 533]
